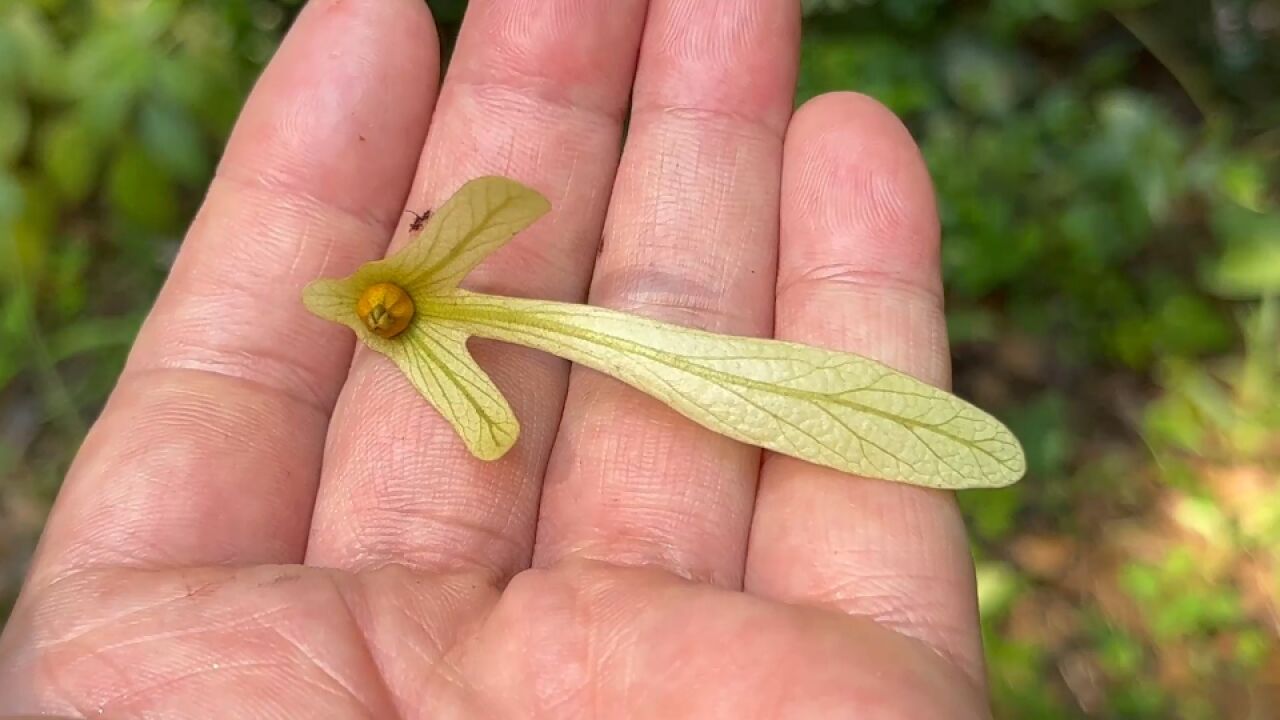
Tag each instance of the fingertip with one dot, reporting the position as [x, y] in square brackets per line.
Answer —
[850, 109]
[852, 145]
[341, 110]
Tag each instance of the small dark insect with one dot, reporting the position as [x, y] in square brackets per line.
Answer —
[419, 219]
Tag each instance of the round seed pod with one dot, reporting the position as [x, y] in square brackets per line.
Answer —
[385, 308]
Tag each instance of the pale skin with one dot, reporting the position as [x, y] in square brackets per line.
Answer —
[262, 525]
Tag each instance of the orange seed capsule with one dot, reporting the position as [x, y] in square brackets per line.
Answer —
[385, 308]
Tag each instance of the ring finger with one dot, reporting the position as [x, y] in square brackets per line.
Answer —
[691, 239]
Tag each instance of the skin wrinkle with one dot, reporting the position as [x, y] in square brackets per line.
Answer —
[729, 121]
[402, 506]
[180, 403]
[584, 641]
[672, 297]
[435, 646]
[146, 690]
[878, 599]
[363, 647]
[856, 278]
[508, 98]
[219, 373]
[144, 553]
[372, 546]
[54, 586]
[255, 619]
[245, 367]
[267, 620]
[447, 669]
[305, 240]
[102, 656]
[297, 203]
[537, 93]
[142, 692]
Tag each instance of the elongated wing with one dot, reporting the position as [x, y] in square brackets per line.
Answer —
[831, 408]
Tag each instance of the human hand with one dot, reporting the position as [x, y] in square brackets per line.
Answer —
[261, 526]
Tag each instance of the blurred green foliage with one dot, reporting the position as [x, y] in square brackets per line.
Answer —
[112, 115]
[1107, 183]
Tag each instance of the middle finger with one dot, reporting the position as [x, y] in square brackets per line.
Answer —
[536, 91]
[692, 239]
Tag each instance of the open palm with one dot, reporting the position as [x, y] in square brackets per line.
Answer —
[263, 525]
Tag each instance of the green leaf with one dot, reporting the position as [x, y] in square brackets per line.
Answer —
[93, 335]
[173, 141]
[980, 78]
[1249, 268]
[15, 123]
[831, 408]
[141, 190]
[69, 155]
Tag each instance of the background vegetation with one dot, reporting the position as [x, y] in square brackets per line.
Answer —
[1108, 181]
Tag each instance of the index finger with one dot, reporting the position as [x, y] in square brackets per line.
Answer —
[209, 448]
